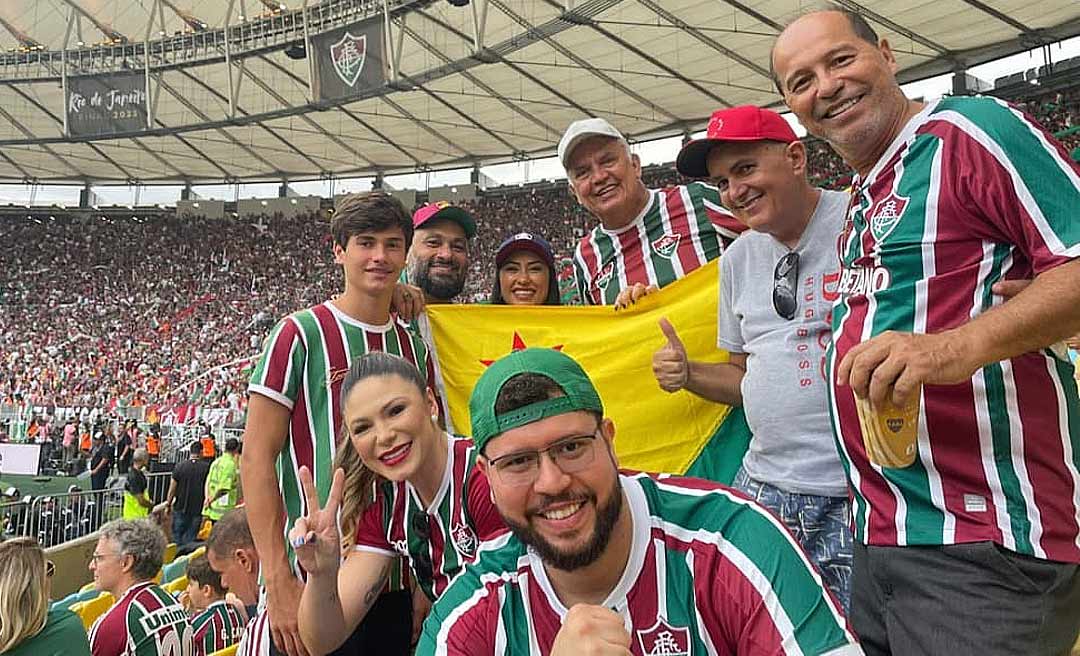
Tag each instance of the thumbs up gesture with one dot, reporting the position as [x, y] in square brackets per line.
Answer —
[670, 364]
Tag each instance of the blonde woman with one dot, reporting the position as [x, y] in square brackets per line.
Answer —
[27, 626]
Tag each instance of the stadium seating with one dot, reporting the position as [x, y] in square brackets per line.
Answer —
[89, 611]
[176, 586]
[228, 651]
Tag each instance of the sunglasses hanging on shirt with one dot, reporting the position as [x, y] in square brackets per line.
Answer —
[785, 278]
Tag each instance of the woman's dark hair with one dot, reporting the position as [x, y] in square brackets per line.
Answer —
[360, 481]
[553, 295]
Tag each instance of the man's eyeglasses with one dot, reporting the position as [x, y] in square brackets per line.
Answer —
[785, 280]
[95, 558]
[570, 455]
[421, 526]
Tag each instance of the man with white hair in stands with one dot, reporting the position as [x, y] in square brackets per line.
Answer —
[145, 620]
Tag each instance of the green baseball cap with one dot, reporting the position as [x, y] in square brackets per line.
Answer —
[580, 394]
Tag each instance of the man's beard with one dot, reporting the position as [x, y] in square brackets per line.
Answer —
[444, 286]
[606, 517]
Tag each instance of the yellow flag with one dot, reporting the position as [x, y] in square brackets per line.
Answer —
[654, 431]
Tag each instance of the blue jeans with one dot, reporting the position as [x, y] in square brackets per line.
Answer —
[819, 525]
[185, 528]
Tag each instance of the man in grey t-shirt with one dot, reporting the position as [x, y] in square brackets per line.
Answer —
[777, 283]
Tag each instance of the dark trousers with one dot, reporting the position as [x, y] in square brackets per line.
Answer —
[386, 629]
[955, 600]
[185, 527]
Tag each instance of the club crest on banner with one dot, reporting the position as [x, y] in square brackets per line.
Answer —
[348, 56]
[662, 638]
[886, 215]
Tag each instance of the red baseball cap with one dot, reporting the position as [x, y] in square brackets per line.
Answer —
[745, 123]
[444, 210]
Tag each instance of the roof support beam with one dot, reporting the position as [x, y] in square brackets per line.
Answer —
[657, 9]
[483, 85]
[566, 52]
[102, 27]
[1004, 18]
[894, 26]
[425, 127]
[30, 135]
[757, 15]
[345, 110]
[273, 133]
[222, 131]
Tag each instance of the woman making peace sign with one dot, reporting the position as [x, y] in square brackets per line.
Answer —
[404, 488]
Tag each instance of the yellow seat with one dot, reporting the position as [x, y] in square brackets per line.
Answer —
[170, 553]
[228, 651]
[87, 587]
[198, 552]
[176, 586]
[88, 611]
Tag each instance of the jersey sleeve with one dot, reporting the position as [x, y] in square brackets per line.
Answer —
[463, 621]
[725, 224]
[763, 595]
[108, 635]
[728, 328]
[1021, 181]
[487, 523]
[278, 373]
[371, 531]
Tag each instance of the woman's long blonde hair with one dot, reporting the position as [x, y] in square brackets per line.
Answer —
[24, 597]
[361, 482]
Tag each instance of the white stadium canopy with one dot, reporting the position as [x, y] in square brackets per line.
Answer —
[231, 98]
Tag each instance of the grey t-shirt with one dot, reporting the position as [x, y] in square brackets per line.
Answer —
[785, 391]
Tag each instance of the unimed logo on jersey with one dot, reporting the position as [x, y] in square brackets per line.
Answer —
[603, 277]
[662, 638]
[665, 246]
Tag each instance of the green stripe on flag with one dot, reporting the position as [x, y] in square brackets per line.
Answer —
[723, 453]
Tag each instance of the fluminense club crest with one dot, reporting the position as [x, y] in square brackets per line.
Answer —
[665, 245]
[664, 639]
[348, 56]
[886, 215]
[603, 276]
[464, 539]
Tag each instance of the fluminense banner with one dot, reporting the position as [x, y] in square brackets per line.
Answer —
[349, 60]
[106, 104]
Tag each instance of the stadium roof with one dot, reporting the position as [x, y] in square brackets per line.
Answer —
[494, 81]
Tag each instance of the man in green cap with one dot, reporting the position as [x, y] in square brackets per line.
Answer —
[600, 561]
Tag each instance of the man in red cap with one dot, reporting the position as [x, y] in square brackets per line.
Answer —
[438, 260]
[777, 284]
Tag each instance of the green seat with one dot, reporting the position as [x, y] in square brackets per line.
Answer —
[174, 570]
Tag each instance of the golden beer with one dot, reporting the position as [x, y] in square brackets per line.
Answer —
[890, 435]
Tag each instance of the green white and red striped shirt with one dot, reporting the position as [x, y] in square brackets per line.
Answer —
[216, 628]
[709, 572]
[145, 621]
[306, 359]
[459, 517]
[680, 229]
[971, 192]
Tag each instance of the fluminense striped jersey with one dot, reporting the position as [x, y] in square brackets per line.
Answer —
[680, 229]
[459, 517]
[256, 640]
[709, 572]
[145, 621]
[306, 359]
[217, 627]
[971, 192]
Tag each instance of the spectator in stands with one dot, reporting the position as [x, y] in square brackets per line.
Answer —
[232, 554]
[525, 272]
[70, 444]
[186, 495]
[223, 482]
[100, 466]
[145, 620]
[137, 503]
[438, 259]
[125, 449]
[153, 442]
[28, 627]
[217, 624]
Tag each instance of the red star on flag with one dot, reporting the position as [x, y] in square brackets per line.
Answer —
[518, 345]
